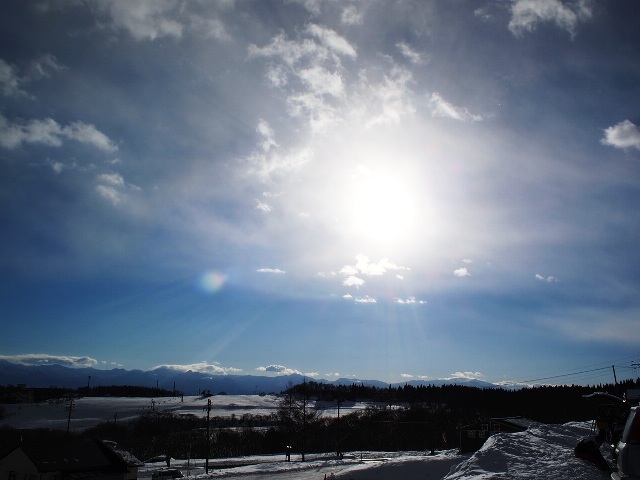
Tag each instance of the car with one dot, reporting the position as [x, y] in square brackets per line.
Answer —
[627, 452]
[167, 474]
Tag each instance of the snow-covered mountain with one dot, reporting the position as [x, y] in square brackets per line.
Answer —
[189, 382]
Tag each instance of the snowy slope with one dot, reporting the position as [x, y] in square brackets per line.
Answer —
[541, 452]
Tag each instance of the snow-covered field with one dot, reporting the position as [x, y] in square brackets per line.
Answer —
[90, 411]
[541, 452]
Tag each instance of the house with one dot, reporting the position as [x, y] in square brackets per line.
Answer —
[472, 437]
[67, 459]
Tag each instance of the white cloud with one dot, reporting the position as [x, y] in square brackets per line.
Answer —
[353, 281]
[347, 296]
[461, 272]
[366, 299]
[9, 81]
[332, 40]
[351, 16]
[271, 270]
[279, 369]
[409, 301]
[112, 187]
[392, 97]
[269, 164]
[262, 206]
[409, 53]
[622, 135]
[202, 367]
[406, 375]
[549, 279]
[321, 81]
[49, 132]
[144, 19]
[527, 14]
[312, 68]
[45, 359]
[43, 67]
[266, 132]
[209, 27]
[467, 375]
[367, 267]
[441, 108]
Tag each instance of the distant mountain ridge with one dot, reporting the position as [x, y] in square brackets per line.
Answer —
[189, 382]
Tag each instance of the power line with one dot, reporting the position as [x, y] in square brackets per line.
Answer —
[565, 375]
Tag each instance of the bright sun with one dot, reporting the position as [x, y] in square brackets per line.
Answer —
[381, 206]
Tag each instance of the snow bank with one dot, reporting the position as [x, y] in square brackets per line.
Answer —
[541, 452]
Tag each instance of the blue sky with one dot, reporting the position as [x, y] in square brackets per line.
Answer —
[381, 190]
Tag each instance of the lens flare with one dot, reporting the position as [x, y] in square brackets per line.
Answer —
[213, 281]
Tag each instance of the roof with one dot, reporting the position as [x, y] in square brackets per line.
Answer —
[129, 458]
[72, 455]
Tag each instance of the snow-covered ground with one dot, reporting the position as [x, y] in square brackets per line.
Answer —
[541, 452]
[90, 411]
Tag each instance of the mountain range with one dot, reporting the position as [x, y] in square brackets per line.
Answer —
[189, 382]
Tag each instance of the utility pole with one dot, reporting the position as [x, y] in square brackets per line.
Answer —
[70, 407]
[338, 425]
[206, 465]
[304, 414]
[615, 379]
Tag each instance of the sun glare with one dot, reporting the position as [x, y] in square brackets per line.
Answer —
[381, 206]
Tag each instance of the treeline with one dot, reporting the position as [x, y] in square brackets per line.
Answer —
[126, 391]
[403, 418]
[18, 394]
[546, 404]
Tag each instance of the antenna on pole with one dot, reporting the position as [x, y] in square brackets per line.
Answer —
[206, 465]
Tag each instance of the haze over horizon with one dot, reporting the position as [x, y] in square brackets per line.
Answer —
[387, 190]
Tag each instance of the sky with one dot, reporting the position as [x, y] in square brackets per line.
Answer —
[389, 190]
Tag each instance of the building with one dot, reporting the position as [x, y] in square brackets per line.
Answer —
[68, 459]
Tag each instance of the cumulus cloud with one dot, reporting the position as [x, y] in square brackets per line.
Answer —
[267, 162]
[279, 370]
[45, 359]
[353, 281]
[409, 53]
[311, 67]
[409, 301]
[625, 134]
[391, 96]
[271, 270]
[549, 279]
[441, 108]
[203, 367]
[467, 375]
[113, 188]
[11, 82]
[51, 133]
[262, 206]
[144, 19]
[332, 40]
[527, 14]
[462, 272]
[365, 266]
[366, 299]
